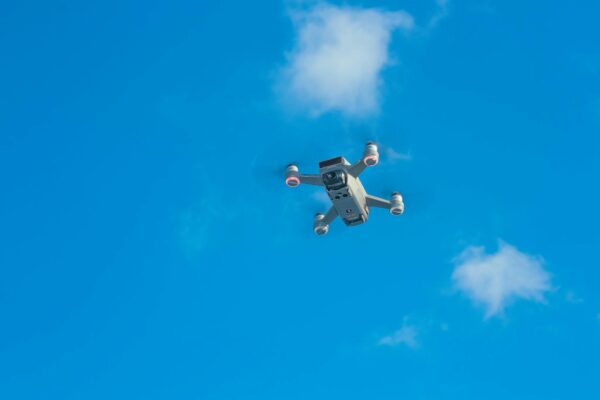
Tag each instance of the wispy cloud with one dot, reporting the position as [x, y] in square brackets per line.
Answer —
[205, 223]
[395, 156]
[440, 14]
[406, 335]
[320, 197]
[338, 56]
[573, 298]
[498, 279]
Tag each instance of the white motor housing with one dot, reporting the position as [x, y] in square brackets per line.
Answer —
[370, 155]
[292, 176]
[319, 227]
[397, 206]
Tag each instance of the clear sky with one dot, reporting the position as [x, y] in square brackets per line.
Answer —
[149, 248]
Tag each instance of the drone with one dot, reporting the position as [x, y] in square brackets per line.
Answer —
[340, 179]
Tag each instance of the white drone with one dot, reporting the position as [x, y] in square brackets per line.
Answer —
[340, 179]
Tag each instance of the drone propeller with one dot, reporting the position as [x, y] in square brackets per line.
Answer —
[270, 165]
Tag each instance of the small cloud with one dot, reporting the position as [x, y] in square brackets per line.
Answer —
[406, 335]
[573, 298]
[339, 54]
[497, 280]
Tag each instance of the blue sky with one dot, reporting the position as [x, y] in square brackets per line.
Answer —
[150, 249]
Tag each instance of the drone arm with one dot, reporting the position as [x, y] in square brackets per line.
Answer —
[322, 221]
[311, 179]
[374, 201]
[330, 216]
[370, 158]
[357, 168]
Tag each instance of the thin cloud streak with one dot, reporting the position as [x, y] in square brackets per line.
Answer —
[440, 14]
[395, 156]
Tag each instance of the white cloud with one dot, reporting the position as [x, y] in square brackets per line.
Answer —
[496, 280]
[338, 57]
[406, 335]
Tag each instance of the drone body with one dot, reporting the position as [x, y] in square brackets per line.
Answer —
[341, 181]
